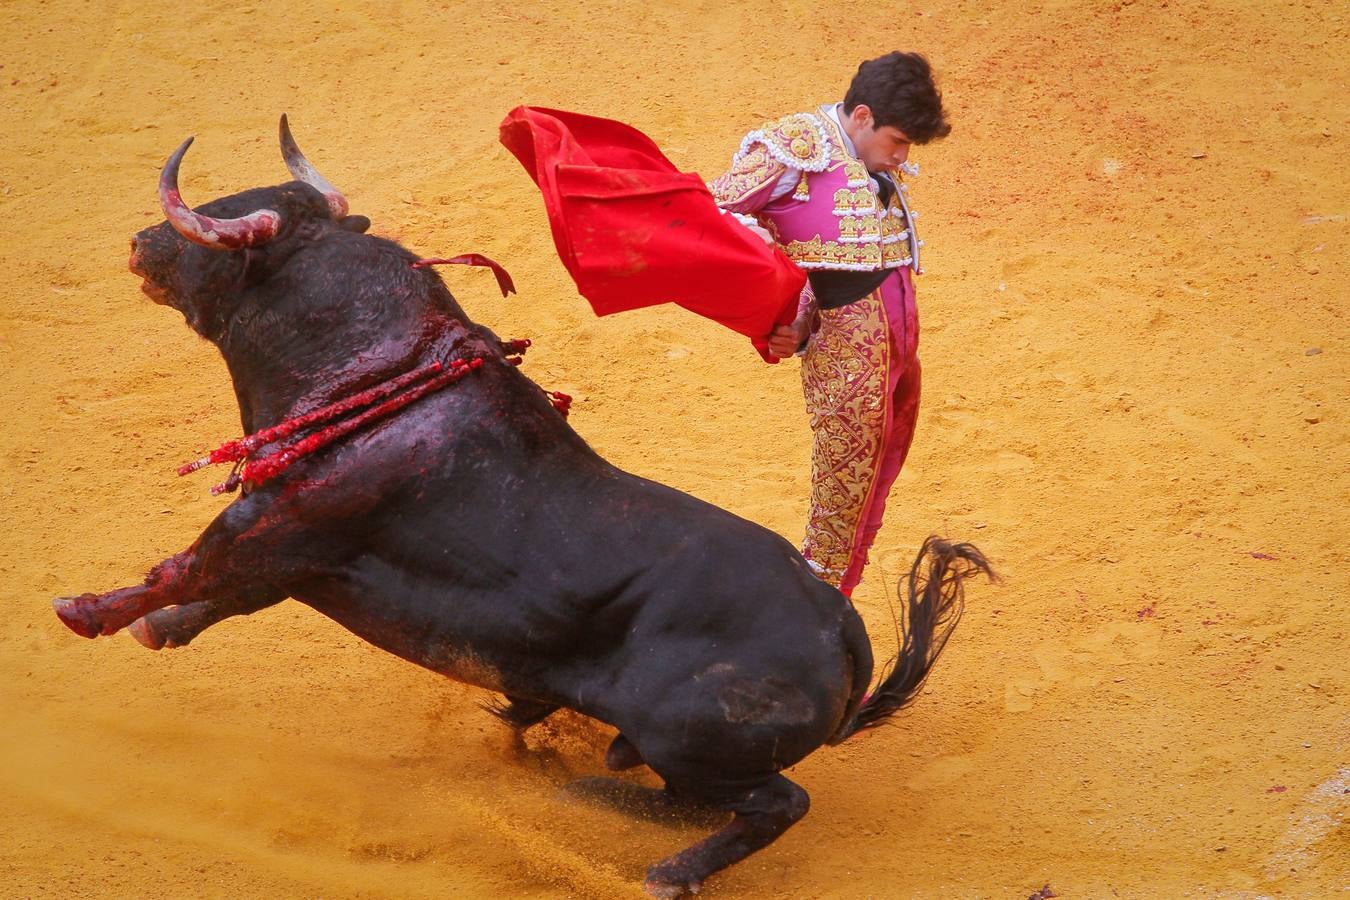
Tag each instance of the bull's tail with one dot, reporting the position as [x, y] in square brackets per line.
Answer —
[931, 612]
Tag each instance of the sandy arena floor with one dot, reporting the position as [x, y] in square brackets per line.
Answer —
[1135, 351]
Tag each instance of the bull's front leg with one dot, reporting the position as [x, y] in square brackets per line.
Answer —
[233, 563]
[176, 626]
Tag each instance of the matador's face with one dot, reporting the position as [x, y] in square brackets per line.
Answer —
[879, 148]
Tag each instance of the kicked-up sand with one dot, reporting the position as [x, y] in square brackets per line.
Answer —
[1135, 362]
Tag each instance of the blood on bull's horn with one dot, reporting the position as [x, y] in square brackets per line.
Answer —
[219, 234]
[302, 170]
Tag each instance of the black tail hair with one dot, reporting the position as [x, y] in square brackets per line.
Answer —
[935, 603]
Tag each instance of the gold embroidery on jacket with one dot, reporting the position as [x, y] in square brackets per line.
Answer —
[802, 191]
[870, 236]
[820, 254]
[749, 173]
[797, 140]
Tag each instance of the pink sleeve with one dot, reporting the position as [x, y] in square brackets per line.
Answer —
[751, 182]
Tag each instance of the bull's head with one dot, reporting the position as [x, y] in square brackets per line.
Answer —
[198, 259]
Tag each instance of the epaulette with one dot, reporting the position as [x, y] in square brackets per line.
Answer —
[798, 141]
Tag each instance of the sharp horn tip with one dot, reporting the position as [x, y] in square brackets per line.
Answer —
[182, 148]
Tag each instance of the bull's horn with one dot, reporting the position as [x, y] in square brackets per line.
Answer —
[218, 234]
[301, 170]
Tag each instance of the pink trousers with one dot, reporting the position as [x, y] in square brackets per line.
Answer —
[860, 378]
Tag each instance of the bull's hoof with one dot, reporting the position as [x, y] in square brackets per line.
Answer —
[622, 755]
[145, 634]
[76, 614]
[664, 883]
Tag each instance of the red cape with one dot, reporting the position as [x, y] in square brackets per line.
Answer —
[635, 231]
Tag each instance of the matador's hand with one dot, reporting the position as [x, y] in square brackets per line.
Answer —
[785, 339]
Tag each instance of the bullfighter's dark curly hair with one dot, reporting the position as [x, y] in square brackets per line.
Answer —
[900, 91]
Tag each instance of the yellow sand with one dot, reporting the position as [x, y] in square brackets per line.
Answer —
[1135, 360]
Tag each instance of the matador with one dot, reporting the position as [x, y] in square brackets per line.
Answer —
[827, 187]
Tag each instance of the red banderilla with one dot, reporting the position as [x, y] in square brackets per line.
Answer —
[434, 377]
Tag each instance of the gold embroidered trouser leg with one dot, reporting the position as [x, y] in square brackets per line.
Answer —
[863, 401]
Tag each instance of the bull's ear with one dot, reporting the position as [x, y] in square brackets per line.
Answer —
[359, 224]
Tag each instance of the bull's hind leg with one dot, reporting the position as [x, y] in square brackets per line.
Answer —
[761, 815]
[176, 626]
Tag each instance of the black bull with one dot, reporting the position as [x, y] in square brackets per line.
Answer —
[476, 534]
